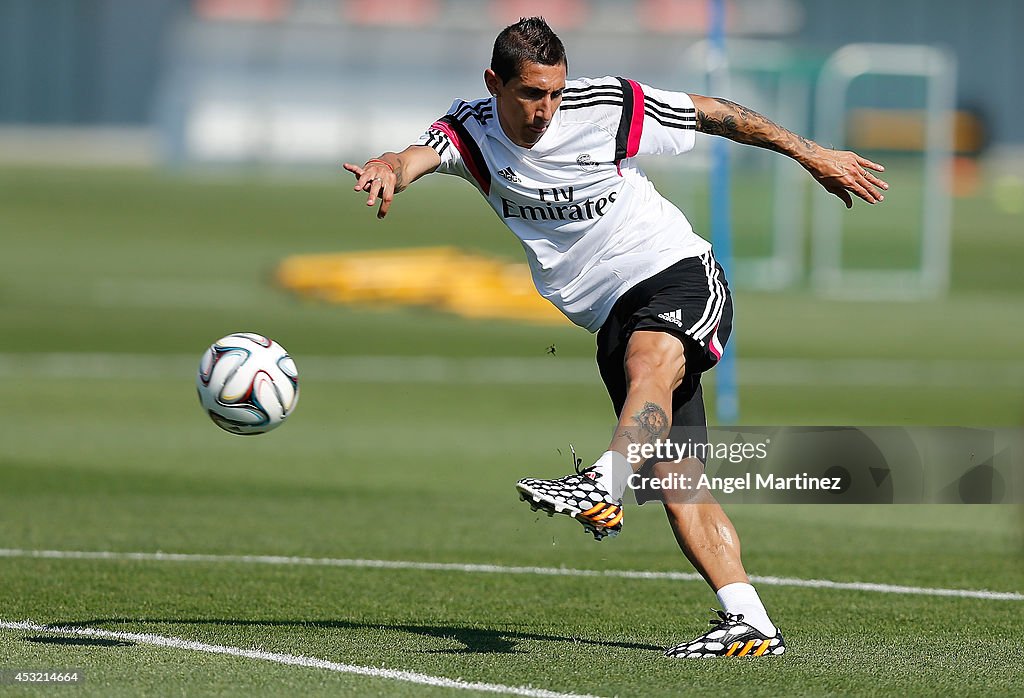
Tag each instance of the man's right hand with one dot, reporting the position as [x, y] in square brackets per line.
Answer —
[378, 180]
[389, 174]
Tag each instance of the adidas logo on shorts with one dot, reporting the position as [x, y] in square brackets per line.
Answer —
[675, 317]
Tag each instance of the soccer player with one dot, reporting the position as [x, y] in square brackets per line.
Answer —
[555, 159]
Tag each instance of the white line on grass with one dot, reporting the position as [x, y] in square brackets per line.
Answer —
[501, 569]
[884, 373]
[292, 660]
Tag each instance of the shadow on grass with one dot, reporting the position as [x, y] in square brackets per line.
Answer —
[473, 640]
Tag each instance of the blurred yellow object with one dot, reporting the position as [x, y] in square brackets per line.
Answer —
[447, 278]
[903, 130]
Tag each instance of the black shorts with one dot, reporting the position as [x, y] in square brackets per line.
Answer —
[690, 300]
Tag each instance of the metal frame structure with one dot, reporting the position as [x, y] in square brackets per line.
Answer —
[937, 68]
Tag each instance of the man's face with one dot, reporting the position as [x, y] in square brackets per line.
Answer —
[527, 102]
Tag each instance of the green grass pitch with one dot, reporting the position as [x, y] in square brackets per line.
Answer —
[135, 273]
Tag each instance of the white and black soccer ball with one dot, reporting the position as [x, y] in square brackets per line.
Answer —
[247, 383]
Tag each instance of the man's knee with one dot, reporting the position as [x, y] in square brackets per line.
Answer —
[677, 482]
[655, 356]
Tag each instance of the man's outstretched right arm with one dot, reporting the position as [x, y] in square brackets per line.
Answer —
[390, 173]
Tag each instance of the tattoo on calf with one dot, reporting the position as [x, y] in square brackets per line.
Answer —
[652, 420]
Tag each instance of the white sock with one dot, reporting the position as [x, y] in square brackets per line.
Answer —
[613, 471]
[740, 597]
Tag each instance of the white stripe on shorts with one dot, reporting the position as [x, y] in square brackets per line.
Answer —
[711, 295]
[715, 304]
[713, 323]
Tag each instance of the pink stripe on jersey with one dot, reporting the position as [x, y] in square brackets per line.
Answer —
[467, 155]
[636, 126]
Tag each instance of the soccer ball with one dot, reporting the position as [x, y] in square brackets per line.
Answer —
[247, 383]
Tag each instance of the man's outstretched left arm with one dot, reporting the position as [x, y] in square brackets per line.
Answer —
[840, 172]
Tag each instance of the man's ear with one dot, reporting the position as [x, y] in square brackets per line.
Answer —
[492, 81]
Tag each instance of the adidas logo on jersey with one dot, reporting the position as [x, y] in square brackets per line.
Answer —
[675, 317]
[511, 176]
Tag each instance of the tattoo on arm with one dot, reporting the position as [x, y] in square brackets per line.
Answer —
[744, 125]
[399, 174]
[716, 125]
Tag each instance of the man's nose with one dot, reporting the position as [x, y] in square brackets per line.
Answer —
[546, 108]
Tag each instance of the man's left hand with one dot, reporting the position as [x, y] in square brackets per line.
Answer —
[843, 172]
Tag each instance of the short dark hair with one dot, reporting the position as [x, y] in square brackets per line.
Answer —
[530, 40]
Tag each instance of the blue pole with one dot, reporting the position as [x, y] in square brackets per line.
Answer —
[727, 401]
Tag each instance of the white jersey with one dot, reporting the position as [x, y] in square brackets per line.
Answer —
[590, 221]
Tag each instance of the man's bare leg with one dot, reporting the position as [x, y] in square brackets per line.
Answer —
[655, 366]
[708, 539]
